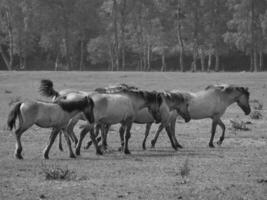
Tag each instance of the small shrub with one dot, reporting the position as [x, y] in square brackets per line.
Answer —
[185, 171]
[239, 125]
[256, 104]
[56, 172]
[255, 115]
[8, 91]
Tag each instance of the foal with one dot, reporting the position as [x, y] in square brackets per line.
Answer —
[48, 115]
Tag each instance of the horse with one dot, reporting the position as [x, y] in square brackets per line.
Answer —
[173, 103]
[212, 103]
[48, 115]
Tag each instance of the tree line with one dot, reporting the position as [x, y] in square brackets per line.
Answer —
[179, 35]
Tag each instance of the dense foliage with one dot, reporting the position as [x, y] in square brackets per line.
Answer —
[196, 35]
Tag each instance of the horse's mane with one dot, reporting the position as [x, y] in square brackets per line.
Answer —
[228, 88]
[149, 96]
[70, 106]
[115, 88]
[175, 96]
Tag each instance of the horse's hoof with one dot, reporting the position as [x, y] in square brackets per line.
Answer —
[99, 152]
[19, 156]
[120, 149]
[219, 142]
[180, 146]
[211, 145]
[46, 157]
[144, 148]
[126, 151]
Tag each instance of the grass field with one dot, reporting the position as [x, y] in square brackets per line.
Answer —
[236, 170]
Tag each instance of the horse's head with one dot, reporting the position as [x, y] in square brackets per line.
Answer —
[241, 97]
[181, 105]
[243, 100]
[154, 101]
[89, 109]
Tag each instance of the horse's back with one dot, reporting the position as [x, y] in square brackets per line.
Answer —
[112, 108]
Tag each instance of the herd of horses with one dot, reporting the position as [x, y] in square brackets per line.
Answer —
[121, 104]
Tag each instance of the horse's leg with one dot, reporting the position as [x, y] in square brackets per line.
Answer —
[59, 141]
[127, 137]
[170, 135]
[98, 139]
[51, 140]
[221, 124]
[103, 136]
[18, 149]
[121, 131]
[67, 138]
[148, 126]
[83, 132]
[70, 129]
[153, 142]
[172, 127]
[93, 138]
[106, 129]
[213, 130]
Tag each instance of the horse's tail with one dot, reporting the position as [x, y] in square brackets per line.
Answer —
[13, 114]
[47, 89]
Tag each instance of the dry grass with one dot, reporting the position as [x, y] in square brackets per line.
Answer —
[239, 125]
[256, 104]
[185, 171]
[57, 172]
[256, 114]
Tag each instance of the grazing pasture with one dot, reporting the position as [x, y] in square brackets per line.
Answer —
[235, 170]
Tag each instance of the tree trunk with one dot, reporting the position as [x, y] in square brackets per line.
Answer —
[217, 60]
[202, 60]
[115, 30]
[82, 55]
[163, 63]
[111, 55]
[261, 61]
[209, 61]
[8, 59]
[251, 62]
[5, 58]
[123, 22]
[194, 63]
[255, 61]
[149, 57]
[180, 40]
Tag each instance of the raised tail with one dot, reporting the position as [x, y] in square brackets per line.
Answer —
[13, 114]
[47, 89]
